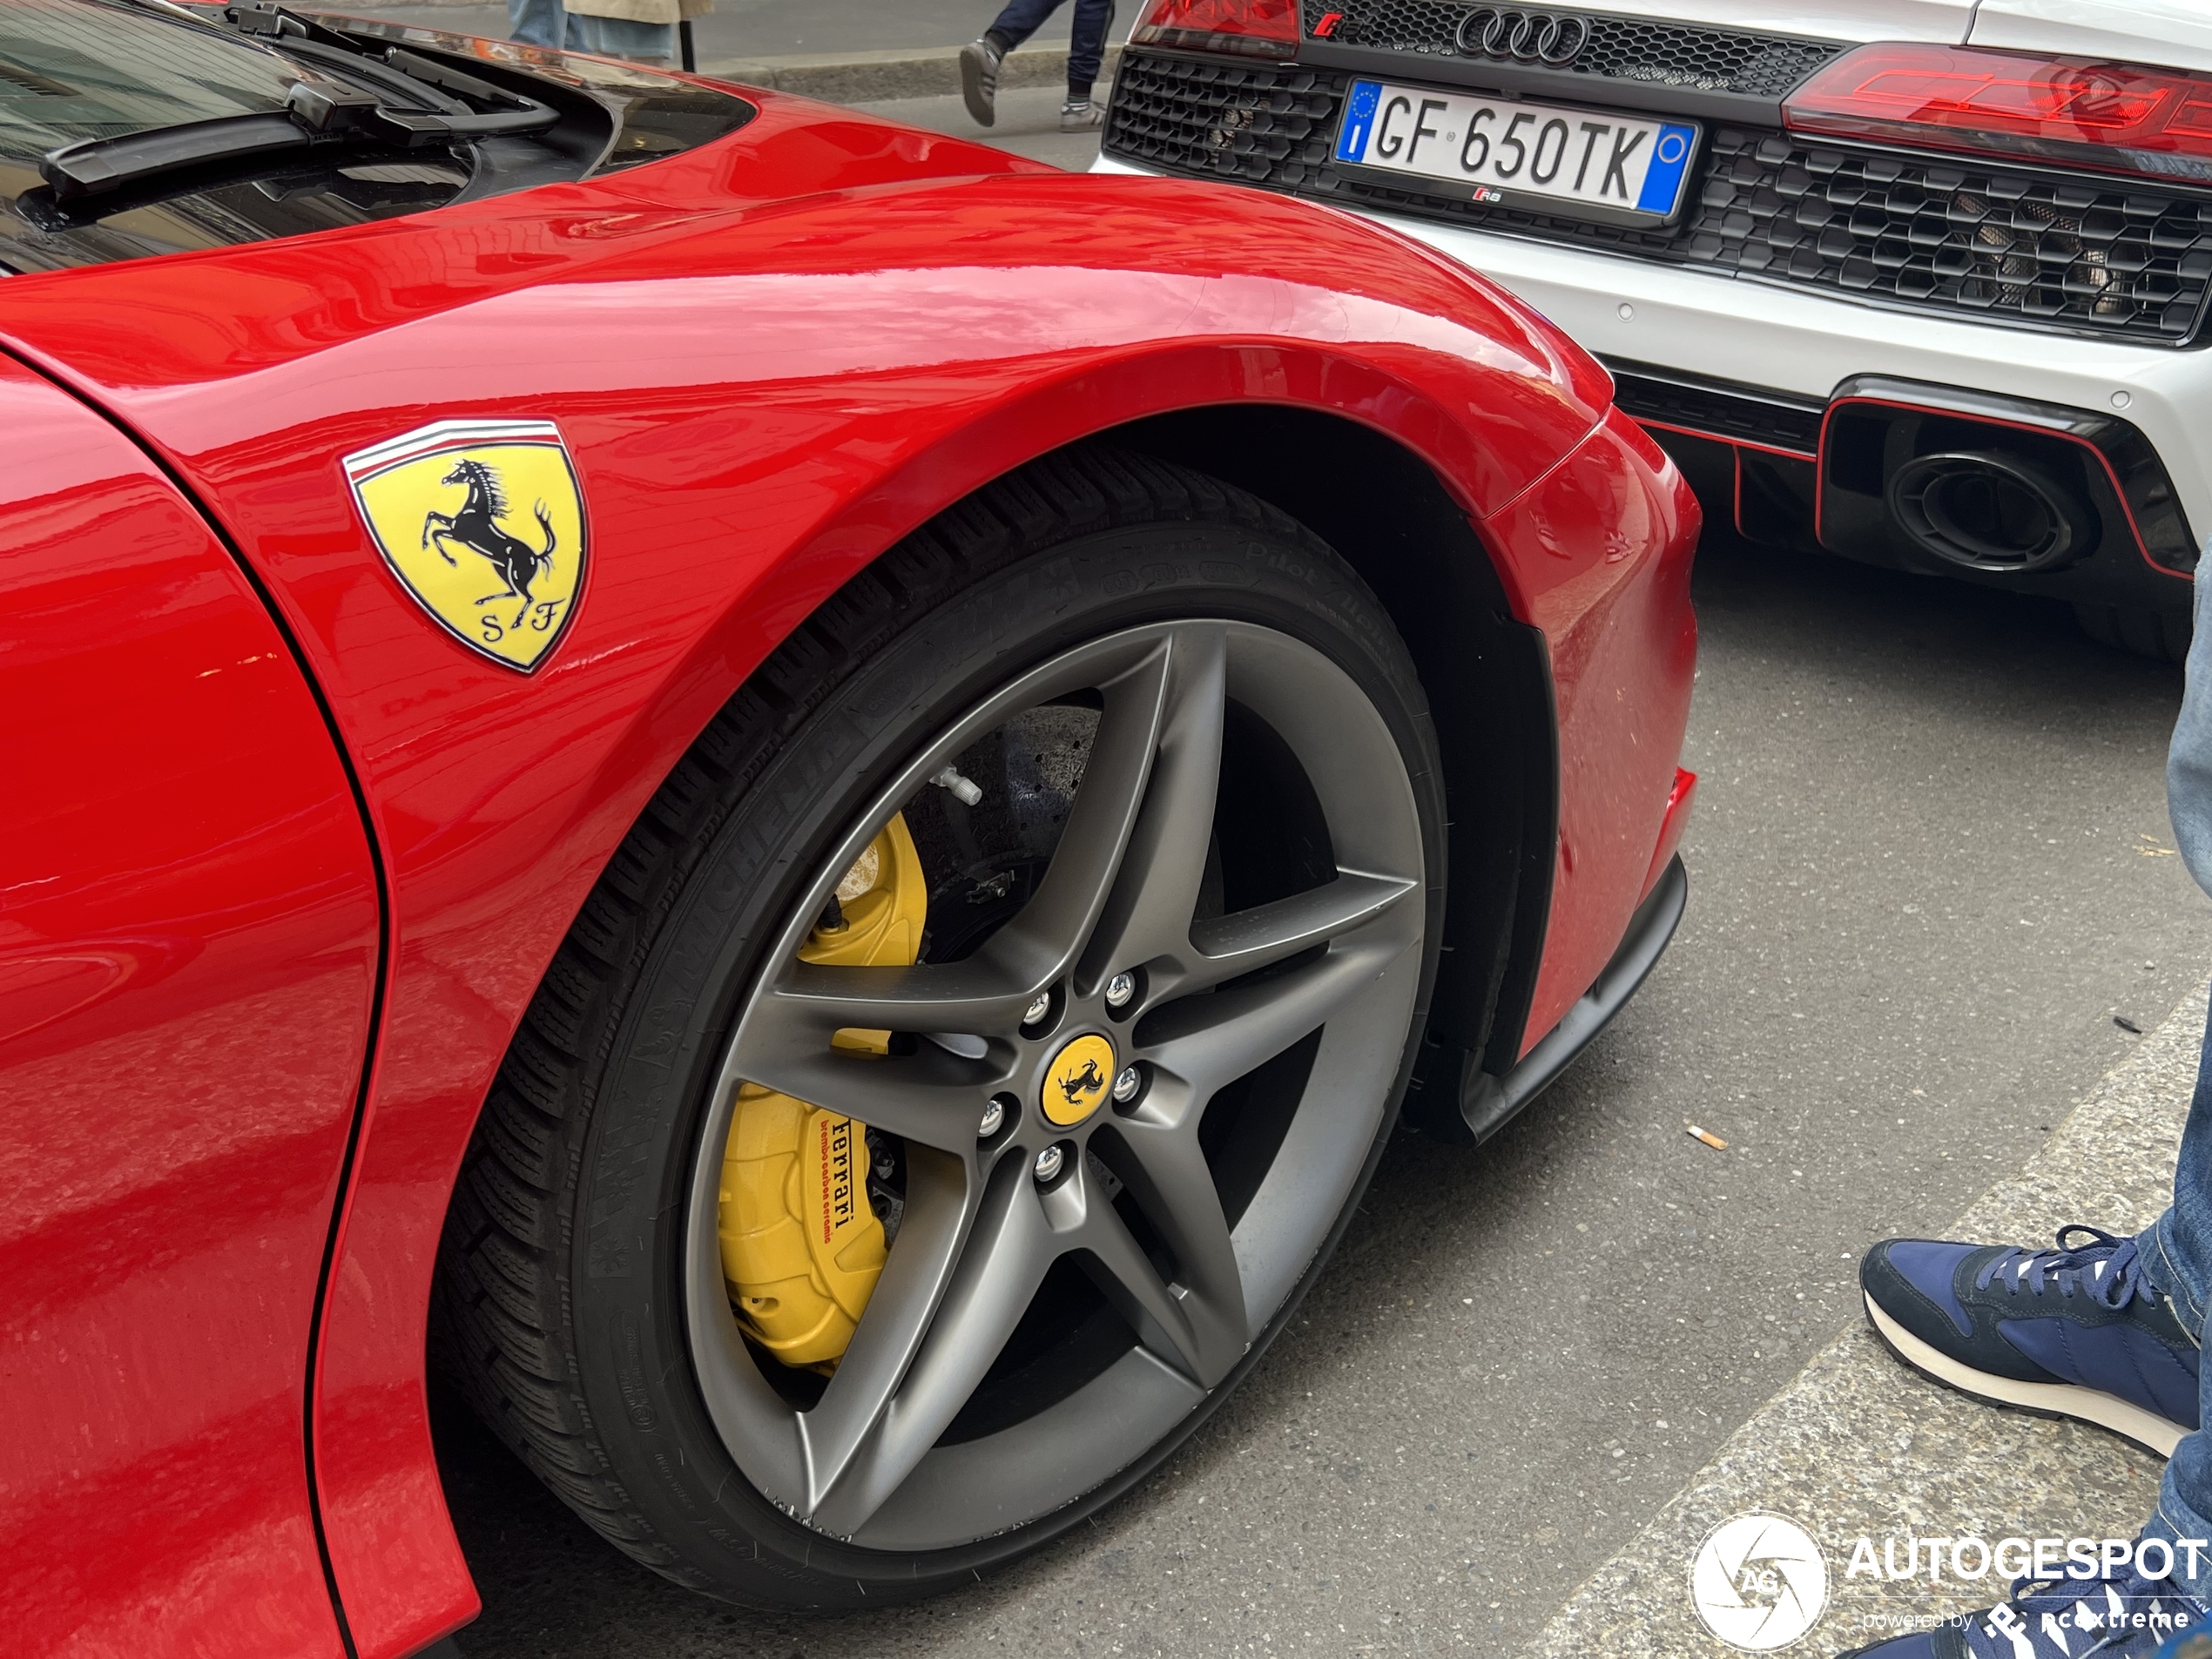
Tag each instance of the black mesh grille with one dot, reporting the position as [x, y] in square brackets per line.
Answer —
[1956, 236]
[1710, 60]
[1922, 231]
[1267, 126]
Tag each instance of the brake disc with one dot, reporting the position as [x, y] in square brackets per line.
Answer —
[804, 1198]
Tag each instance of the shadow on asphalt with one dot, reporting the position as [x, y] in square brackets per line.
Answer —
[1441, 1219]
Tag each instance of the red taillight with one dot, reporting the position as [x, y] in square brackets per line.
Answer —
[1258, 28]
[2122, 117]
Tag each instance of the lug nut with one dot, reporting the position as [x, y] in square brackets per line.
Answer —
[1119, 989]
[1039, 1008]
[1049, 1161]
[994, 1120]
[1126, 1085]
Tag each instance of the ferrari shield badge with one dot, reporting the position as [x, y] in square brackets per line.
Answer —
[482, 522]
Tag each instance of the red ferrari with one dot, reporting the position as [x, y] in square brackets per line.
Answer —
[796, 796]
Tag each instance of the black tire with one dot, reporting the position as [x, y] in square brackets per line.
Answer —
[559, 1307]
[2145, 630]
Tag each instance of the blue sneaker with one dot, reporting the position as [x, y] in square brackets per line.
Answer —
[2075, 1332]
[2125, 1617]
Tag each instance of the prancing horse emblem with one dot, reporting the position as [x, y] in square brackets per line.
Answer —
[476, 528]
[1086, 1082]
[520, 513]
[1075, 1079]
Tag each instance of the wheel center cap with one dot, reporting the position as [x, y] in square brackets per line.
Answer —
[1077, 1080]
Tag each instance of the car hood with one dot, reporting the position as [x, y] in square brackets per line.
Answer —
[1946, 20]
[2174, 33]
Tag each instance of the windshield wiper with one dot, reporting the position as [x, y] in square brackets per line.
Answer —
[318, 110]
[509, 112]
[96, 167]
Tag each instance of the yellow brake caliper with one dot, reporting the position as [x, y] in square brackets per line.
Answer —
[801, 1245]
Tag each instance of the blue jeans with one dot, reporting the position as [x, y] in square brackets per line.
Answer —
[1087, 40]
[539, 23]
[543, 23]
[2177, 1247]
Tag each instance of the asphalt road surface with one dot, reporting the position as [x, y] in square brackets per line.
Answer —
[1930, 863]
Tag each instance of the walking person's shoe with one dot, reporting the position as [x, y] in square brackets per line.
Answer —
[1082, 115]
[2076, 1331]
[2125, 1617]
[979, 79]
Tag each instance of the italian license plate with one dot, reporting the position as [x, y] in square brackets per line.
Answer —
[1592, 164]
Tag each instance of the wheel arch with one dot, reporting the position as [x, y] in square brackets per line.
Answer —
[1396, 514]
[1376, 465]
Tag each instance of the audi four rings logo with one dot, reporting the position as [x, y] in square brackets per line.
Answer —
[1524, 36]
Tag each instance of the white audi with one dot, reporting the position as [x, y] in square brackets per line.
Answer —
[1920, 282]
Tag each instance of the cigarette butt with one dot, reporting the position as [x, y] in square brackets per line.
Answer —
[1710, 1139]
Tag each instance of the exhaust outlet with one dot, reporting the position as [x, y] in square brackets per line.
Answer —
[1985, 510]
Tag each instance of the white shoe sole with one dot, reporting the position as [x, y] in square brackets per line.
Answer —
[2147, 1429]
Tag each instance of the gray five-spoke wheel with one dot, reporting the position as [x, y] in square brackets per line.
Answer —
[1209, 998]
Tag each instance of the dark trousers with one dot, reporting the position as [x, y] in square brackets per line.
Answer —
[1087, 46]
